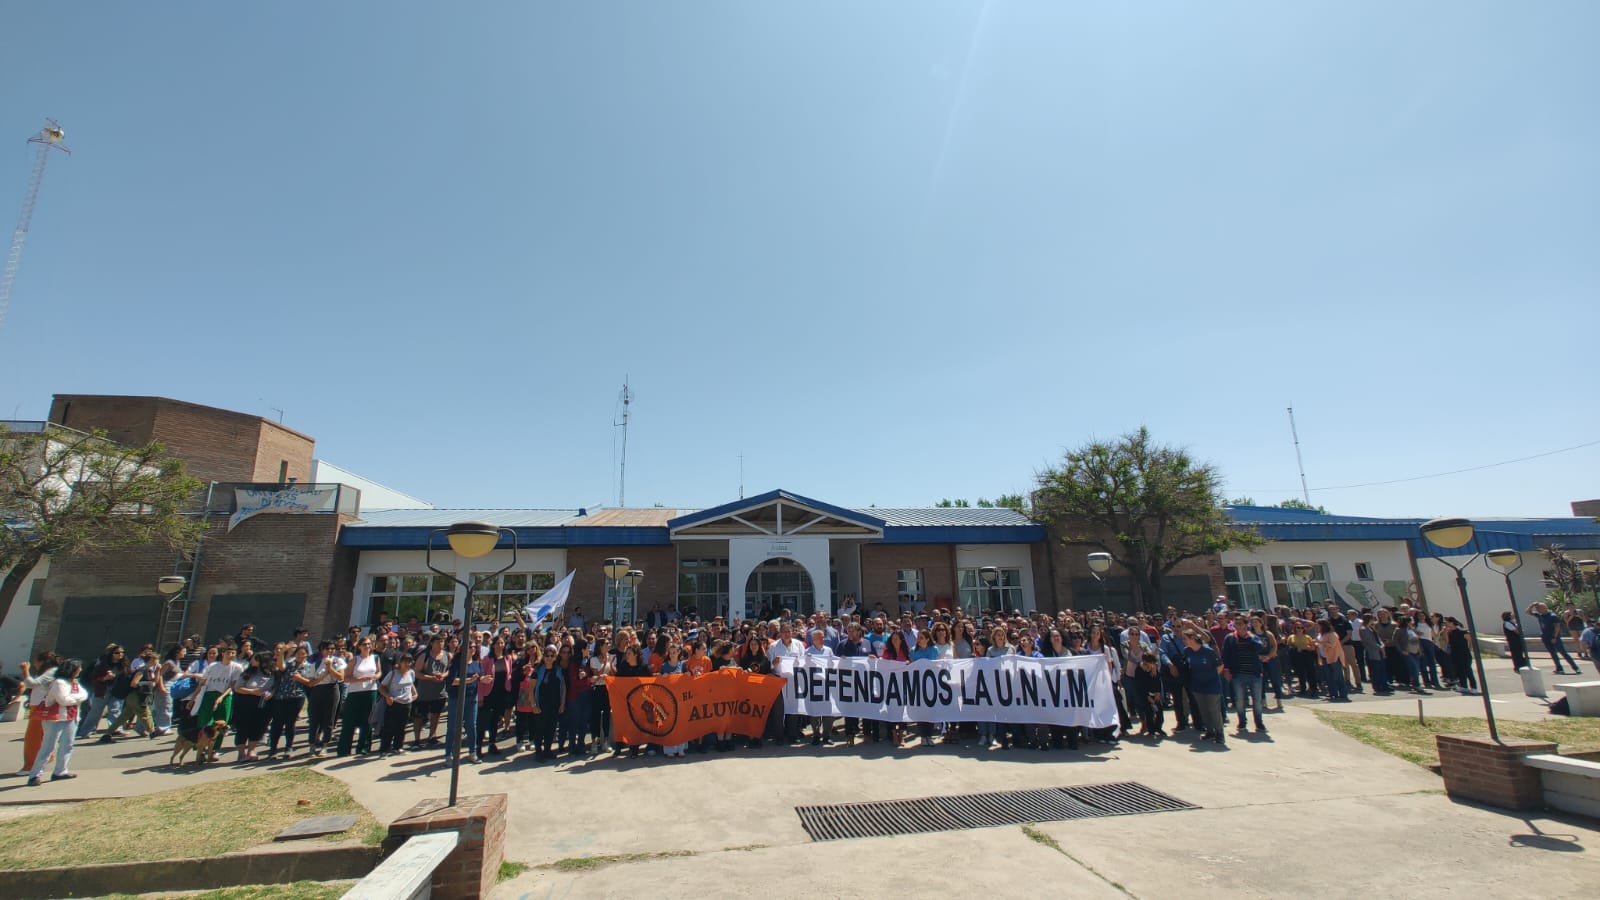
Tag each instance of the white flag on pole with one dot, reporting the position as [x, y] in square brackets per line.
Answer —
[551, 602]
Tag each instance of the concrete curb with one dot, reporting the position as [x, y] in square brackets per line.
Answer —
[274, 865]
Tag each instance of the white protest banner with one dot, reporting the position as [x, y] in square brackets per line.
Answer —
[1067, 691]
[250, 502]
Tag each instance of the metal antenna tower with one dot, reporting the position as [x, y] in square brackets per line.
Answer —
[622, 472]
[1304, 491]
[49, 138]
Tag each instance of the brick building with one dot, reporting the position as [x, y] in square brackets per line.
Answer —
[321, 560]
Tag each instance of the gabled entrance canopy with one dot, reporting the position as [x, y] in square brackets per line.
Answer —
[777, 514]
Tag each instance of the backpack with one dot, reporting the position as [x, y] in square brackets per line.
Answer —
[183, 688]
[123, 686]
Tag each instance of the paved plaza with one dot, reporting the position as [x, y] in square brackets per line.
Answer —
[1283, 815]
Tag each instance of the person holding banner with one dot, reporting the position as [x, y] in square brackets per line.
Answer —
[925, 650]
[821, 726]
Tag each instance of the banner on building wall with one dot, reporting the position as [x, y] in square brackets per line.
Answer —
[677, 709]
[248, 502]
[1066, 691]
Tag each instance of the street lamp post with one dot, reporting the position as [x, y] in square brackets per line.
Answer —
[1505, 562]
[471, 540]
[171, 589]
[1303, 573]
[616, 569]
[634, 576]
[1099, 565]
[1452, 534]
[990, 576]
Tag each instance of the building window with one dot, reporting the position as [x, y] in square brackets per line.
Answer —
[976, 597]
[703, 587]
[36, 592]
[1363, 571]
[1288, 590]
[1244, 587]
[426, 598]
[619, 601]
[908, 588]
[283, 471]
[502, 597]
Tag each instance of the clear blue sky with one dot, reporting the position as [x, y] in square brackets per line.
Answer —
[891, 252]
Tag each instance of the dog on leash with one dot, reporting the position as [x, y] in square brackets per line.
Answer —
[203, 741]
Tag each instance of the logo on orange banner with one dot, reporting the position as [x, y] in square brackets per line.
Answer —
[677, 709]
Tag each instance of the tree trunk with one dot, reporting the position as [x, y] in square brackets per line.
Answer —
[12, 583]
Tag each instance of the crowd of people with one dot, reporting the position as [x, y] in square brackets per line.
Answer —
[542, 690]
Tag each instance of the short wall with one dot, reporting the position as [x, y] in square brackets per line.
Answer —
[1569, 784]
[1479, 769]
[274, 865]
[471, 870]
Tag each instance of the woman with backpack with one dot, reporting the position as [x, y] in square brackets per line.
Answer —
[59, 715]
[141, 686]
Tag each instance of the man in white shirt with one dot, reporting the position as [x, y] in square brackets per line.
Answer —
[787, 646]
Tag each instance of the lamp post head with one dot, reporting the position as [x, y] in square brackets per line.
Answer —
[472, 539]
[1303, 572]
[989, 575]
[1448, 533]
[171, 584]
[616, 568]
[635, 576]
[1100, 563]
[1504, 560]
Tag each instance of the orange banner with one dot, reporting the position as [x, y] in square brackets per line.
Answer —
[676, 709]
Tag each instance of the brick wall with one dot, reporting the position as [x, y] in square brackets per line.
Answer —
[216, 444]
[276, 445]
[268, 554]
[1478, 769]
[1072, 562]
[660, 584]
[881, 565]
[1586, 507]
[473, 867]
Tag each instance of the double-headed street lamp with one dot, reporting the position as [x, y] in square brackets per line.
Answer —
[471, 540]
[1453, 534]
[990, 576]
[616, 569]
[1505, 562]
[634, 576]
[1099, 565]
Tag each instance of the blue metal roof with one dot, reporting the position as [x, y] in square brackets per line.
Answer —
[1277, 524]
[864, 519]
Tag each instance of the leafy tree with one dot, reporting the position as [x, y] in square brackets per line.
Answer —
[64, 491]
[952, 504]
[1012, 501]
[1242, 501]
[1293, 503]
[1150, 506]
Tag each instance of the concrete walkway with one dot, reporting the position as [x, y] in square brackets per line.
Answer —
[1302, 811]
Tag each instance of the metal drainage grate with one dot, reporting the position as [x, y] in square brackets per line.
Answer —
[891, 817]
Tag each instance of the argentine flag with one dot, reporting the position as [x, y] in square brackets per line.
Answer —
[551, 602]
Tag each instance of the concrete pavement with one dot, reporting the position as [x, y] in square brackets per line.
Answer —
[1304, 810]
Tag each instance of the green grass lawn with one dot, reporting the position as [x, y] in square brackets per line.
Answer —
[1404, 737]
[195, 820]
[300, 890]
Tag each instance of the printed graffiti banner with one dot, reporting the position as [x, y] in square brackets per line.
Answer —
[250, 502]
[1071, 690]
[677, 709]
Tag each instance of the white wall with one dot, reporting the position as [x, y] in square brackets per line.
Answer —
[1486, 589]
[373, 494]
[16, 633]
[1001, 556]
[414, 562]
[1390, 561]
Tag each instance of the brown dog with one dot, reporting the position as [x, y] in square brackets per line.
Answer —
[202, 741]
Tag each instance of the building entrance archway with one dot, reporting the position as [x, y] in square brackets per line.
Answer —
[779, 584]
